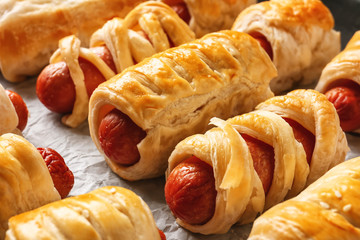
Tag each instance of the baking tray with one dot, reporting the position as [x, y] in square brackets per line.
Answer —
[44, 129]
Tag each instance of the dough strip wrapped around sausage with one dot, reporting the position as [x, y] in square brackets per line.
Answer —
[161, 25]
[240, 193]
[106, 213]
[327, 209]
[301, 36]
[8, 119]
[208, 16]
[175, 93]
[30, 30]
[344, 71]
[25, 182]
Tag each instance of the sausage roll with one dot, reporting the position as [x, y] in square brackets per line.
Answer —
[256, 160]
[30, 30]
[25, 182]
[327, 209]
[149, 28]
[105, 213]
[174, 94]
[206, 16]
[300, 36]
[8, 119]
[340, 81]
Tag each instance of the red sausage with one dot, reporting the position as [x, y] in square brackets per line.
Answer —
[346, 100]
[20, 108]
[305, 137]
[190, 191]
[119, 136]
[61, 175]
[162, 235]
[179, 6]
[264, 43]
[55, 88]
[263, 160]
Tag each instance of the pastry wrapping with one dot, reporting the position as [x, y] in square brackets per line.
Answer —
[30, 30]
[106, 213]
[301, 35]
[175, 93]
[160, 23]
[240, 193]
[8, 119]
[327, 209]
[344, 66]
[25, 182]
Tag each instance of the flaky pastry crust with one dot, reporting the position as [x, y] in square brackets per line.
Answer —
[25, 181]
[161, 25]
[240, 194]
[301, 36]
[105, 213]
[175, 93]
[9, 118]
[30, 30]
[327, 209]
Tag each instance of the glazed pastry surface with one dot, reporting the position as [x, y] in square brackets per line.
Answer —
[240, 194]
[175, 93]
[25, 181]
[106, 213]
[9, 119]
[327, 209]
[30, 30]
[301, 35]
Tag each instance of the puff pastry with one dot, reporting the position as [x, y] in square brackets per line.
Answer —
[105, 213]
[240, 194]
[301, 35]
[30, 30]
[174, 94]
[208, 16]
[160, 23]
[346, 65]
[25, 181]
[8, 119]
[327, 209]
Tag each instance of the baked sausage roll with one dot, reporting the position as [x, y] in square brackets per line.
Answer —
[340, 82]
[174, 94]
[105, 213]
[297, 33]
[149, 28]
[8, 119]
[206, 16]
[25, 182]
[327, 209]
[30, 30]
[253, 161]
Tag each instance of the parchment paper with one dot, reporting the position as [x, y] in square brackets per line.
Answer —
[44, 129]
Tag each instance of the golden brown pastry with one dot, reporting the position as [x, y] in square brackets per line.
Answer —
[327, 209]
[30, 30]
[300, 34]
[256, 159]
[25, 182]
[340, 82]
[173, 95]
[206, 16]
[106, 213]
[8, 119]
[149, 28]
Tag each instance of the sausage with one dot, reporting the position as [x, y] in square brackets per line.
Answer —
[55, 88]
[190, 191]
[119, 136]
[263, 159]
[61, 175]
[264, 43]
[162, 235]
[181, 9]
[305, 137]
[20, 108]
[346, 99]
